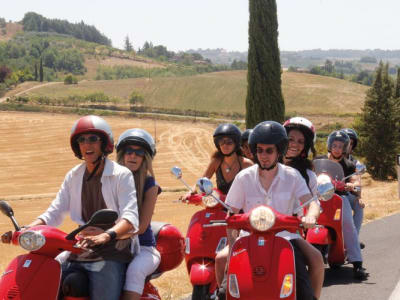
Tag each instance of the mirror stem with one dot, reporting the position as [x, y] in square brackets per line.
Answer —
[305, 204]
[189, 188]
[17, 228]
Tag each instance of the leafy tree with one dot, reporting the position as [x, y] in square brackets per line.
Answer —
[128, 44]
[4, 73]
[264, 94]
[328, 67]
[379, 135]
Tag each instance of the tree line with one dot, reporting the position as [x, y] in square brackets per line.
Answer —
[35, 22]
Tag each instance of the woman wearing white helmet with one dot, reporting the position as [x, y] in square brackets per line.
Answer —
[301, 135]
[136, 150]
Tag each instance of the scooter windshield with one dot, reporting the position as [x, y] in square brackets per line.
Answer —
[333, 169]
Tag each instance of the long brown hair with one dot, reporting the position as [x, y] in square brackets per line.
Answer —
[145, 170]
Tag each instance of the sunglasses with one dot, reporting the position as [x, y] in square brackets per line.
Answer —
[267, 150]
[138, 152]
[225, 141]
[91, 139]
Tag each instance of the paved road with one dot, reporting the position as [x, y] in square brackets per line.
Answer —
[382, 260]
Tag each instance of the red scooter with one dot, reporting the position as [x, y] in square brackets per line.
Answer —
[261, 264]
[202, 242]
[37, 275]
[328, 237]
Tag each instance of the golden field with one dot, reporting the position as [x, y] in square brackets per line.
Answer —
[35, 156]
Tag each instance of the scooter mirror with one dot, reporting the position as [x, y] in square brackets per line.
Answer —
[360, 169]
[6, 209]
[205, 185]
[325, 187]
[102, 216]
[177, 172]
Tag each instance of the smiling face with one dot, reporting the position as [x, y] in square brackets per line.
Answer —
[226, 144]
[90, 147]
[133, 157]
[267, 155]
[337, 149]
[296, 143]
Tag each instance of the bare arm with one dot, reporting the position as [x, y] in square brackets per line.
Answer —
[147, 209]
[312, 213]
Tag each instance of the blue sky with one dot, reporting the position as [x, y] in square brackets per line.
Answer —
[189, 24]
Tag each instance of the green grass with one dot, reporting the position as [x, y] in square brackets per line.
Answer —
[225, 92]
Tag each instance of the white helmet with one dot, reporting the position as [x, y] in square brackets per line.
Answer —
[137, 136]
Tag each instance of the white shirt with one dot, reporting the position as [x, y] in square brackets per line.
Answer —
[284, 194]
[118, 189]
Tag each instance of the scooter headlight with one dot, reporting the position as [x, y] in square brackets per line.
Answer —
[262, 218]
[210, 201]
[31, 240]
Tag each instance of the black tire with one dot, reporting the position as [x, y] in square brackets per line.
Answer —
[334, 266]
[201, 292]
[324, 251]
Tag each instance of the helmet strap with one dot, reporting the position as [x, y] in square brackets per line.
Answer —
[270, 167]
[98, 163]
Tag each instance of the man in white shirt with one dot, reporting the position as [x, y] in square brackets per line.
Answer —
[95, 184]
[283, 188]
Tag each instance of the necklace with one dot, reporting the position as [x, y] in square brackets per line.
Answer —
[228, 168]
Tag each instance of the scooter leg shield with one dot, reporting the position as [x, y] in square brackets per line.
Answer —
[31, 276]
[319, 236]
[202, 273]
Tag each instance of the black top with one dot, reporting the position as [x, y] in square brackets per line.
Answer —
[222, 184]
[348, 166]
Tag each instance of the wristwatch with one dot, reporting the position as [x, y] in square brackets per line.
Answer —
[111, 233]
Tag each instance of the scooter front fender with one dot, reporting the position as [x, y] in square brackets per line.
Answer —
[31, 276]
[319, 235]
[202, 273]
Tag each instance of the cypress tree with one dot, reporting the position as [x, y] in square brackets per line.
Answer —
[397, 92]
[264, 94]
[41, 69]
[377, 127]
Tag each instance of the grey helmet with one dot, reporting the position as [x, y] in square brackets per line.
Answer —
[139, 137]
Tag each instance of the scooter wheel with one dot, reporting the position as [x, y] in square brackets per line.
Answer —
[334, 266]
[201, 292]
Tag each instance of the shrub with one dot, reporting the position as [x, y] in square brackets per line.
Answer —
[135, 98]
[70, 79]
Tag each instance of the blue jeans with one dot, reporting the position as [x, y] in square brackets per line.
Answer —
[350, 235]
[358, 211]
[106, 277]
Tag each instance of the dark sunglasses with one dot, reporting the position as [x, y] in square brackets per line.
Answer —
[267, 151]
[138, 152]
[225, 141]
[91, 139]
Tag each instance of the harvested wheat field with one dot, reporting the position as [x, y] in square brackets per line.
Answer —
[35, 156]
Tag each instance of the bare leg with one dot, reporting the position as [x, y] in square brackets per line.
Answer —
[220, 264]
[315, 263]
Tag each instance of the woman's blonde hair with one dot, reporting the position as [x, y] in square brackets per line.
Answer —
[146, 169]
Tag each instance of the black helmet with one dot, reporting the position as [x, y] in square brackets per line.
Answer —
[139, 137]
[338, 135]
[352, 135]
[245, 136]
[229, 130]
[270, 133]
